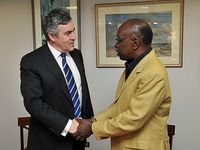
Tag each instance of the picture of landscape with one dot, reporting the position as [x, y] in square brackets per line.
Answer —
[48, 5]
[160, 22]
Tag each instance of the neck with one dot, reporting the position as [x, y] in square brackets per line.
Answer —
[54, 46]
[141, 50]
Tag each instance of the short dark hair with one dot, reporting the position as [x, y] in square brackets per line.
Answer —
[143, 29]
[56, 17]
[146, 33]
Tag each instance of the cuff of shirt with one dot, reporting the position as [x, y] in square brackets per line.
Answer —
[67, 127]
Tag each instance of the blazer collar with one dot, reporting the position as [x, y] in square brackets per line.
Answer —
[137, 70]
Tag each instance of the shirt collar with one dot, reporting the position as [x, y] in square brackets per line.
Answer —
[132, 63]
[54, 51]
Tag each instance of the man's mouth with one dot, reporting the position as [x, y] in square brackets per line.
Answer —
[117, 52]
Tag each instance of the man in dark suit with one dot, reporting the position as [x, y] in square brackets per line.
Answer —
[45, 89]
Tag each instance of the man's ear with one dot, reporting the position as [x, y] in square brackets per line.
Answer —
[135, 42]
[52, 36]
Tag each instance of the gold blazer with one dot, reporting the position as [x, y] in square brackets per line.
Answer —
[137, 119]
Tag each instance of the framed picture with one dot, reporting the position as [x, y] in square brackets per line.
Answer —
[165, 18]
[41, 8]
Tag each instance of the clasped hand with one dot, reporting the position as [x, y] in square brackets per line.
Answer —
[83, 128]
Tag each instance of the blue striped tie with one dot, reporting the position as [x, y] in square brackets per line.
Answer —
[71, 86]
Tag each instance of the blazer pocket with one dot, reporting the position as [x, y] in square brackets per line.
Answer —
[140, 145]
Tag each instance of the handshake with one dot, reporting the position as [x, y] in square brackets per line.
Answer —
[81, 128]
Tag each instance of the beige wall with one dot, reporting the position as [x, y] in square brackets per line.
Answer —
[16, 40]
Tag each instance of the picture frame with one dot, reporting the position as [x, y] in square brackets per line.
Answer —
[165, 18]
[40, 8]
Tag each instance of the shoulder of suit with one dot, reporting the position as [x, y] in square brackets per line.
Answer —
[35, 53]
[75, 52]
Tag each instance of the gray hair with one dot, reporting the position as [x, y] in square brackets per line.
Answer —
[56, 17]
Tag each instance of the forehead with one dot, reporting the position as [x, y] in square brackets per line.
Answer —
[123, 31]
[66, 27]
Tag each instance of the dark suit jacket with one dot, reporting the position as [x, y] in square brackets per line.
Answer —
[48, 101]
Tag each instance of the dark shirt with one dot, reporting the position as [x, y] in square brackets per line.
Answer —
[132, 63]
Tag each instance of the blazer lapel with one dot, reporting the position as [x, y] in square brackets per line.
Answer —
[124, 84]
[138, 69]
[55, 70]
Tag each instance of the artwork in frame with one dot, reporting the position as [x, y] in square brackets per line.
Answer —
[165, 18]
[41, 8]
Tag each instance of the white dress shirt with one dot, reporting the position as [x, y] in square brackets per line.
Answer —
[75, 73]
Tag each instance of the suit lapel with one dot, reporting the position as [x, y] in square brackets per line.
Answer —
[137, 70]
[79, 64]
[54, 68]
[124, 84]
[77, 57]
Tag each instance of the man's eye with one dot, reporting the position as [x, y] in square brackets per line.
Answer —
[67, 33]
[118, 40]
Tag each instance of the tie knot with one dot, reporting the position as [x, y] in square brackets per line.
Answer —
[63, 54]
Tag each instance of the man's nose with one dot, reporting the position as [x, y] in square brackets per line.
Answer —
[73, 36]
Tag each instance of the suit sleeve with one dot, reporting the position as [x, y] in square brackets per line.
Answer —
[144, 103]
[32, 92]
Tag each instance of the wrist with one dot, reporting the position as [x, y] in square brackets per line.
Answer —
[93, 119]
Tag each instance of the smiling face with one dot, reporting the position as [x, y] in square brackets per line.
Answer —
[65, 39]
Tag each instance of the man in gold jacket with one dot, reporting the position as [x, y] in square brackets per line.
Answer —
[137, 119]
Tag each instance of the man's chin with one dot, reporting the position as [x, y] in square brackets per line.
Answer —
[71, 49]
[121, 57]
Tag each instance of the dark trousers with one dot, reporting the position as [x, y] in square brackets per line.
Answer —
[79, 145]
